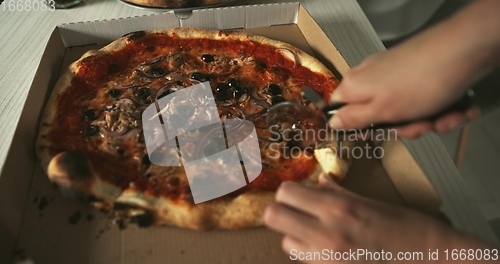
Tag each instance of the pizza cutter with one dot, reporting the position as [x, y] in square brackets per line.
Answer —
[305, 118]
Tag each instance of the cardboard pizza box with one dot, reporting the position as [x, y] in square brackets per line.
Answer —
[38, 223]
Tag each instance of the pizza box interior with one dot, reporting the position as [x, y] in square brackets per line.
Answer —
[36, 222]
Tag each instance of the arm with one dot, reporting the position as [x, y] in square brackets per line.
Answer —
[424, 74]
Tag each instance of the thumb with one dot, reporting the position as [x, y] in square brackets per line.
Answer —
[337, 95]
[353, 116]
[325, 180]
[327, 183]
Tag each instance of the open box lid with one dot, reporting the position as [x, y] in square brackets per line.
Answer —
[38, 221]
[235, 17]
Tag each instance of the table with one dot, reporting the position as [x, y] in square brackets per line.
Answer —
[25, 33]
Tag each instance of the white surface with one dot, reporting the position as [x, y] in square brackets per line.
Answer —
[25, 33]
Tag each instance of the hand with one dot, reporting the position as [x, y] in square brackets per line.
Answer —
[332, 218]
[389, 87]
[423, 75]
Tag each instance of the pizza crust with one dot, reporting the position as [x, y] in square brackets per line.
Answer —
[74, 175]
[303, 58]
[72, 172]
[245, 210]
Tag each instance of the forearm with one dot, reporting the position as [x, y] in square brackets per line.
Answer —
[477, 33]
[480, 23]
[465, 47]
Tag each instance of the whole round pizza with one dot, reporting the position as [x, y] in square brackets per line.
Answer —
[92, 141]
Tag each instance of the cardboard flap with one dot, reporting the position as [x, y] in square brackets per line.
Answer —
[325, 53]
[104, 31]
[253, 16]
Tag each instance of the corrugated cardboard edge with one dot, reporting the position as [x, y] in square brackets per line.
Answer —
[457, 202]
[314, 31]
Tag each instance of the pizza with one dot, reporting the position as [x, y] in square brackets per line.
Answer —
[91, 140]
[174, 4]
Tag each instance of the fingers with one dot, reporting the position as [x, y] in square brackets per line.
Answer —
[286, 220]
[300, 197]
[415, 130]
[290, 243]
[354, 116]
[349, 89]
[449, 122]
[442, 125]
[473, 113]
[453, 120]
[326, 181]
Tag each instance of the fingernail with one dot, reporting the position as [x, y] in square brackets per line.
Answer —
[324, 178]
[473, 113]
[285, 183]
[267, 214]
[335, 122]
[335, 97]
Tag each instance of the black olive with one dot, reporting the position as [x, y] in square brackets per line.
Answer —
[73, 219]
[239, 91]
[135, 35]
[90, 115]
[197, 75]
[120, 151]
[163, 94]
[157, 71]
[142, 93]
[233, 83]
[224, 92]
[221, 87]
[278, 99]
[113, 68]
[143, 220]
[207, 58]
[176, 120]
[145, 160]
[90, 199]
[114, 93]
[200, 76]
[183, 113]
[274, 89]
[186, 111]
[120, 206]
[89, 131]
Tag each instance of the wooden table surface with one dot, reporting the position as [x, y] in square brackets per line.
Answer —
[24, 35]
